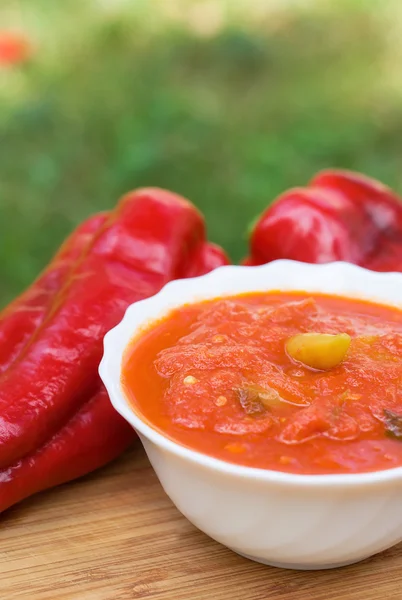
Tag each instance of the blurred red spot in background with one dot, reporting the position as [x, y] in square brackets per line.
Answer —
[14, 48]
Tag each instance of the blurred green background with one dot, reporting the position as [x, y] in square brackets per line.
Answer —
[226, 102]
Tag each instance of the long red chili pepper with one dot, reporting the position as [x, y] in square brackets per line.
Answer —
[146, 242]
[19, 320]
[341, 215]
[95, 435]
[209, 258]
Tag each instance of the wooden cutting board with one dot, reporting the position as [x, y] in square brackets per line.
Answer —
[116, 536]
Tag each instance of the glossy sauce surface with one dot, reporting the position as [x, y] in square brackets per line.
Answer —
[215, 377]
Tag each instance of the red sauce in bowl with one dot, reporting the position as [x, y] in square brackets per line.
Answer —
[215, 377]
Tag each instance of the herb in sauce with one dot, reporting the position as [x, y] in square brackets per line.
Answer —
[257, 400]
[393, 424]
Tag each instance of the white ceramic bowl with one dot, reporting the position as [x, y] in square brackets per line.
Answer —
[292, 521]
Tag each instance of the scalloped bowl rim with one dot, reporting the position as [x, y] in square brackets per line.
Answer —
[169, 297]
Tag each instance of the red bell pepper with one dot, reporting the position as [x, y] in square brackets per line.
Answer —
[95, 433]
[340, 215]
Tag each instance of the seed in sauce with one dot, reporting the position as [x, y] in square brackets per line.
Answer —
[221, 401]
[235, 448]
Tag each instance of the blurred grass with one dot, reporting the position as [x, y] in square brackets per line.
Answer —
[227, 107]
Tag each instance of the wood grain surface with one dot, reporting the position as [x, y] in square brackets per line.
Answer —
[116, 536]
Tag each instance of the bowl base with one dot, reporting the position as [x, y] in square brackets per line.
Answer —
[299, 567]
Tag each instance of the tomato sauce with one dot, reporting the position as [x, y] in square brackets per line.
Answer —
[215, 377]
